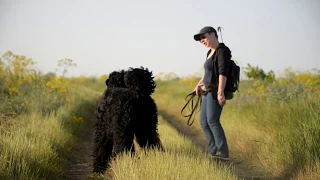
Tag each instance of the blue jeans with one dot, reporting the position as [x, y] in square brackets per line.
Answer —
[210, 113]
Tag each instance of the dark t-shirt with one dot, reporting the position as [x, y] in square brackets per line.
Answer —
[208, 70]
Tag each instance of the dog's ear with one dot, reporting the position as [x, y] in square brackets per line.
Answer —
[107, 82]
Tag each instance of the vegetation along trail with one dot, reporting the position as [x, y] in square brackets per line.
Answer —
[46, 127]
[271, 124]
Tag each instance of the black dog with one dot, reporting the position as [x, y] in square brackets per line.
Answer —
[125, 110]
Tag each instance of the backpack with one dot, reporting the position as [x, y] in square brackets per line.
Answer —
[233, 79]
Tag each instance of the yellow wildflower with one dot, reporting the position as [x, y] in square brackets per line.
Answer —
[77, 119]
[13, 90]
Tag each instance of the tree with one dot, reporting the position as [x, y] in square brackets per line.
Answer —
[258, 73]
[50, 75]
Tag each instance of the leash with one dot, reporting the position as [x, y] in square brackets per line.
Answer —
[189, 98]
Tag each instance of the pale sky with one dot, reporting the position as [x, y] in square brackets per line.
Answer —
[102, 36]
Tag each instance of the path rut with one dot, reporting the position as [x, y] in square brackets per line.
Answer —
[79, 164]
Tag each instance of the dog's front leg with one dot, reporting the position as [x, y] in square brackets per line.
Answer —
[123, 136]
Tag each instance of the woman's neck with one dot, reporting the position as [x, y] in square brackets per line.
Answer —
[214, 45]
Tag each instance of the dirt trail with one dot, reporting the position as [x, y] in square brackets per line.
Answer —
[79, 164]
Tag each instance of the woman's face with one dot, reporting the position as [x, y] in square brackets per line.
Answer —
[206, 39]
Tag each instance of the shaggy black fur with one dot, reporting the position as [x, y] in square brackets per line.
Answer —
[125, 110]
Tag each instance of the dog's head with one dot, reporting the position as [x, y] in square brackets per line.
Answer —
[140, 80]
[116, 79]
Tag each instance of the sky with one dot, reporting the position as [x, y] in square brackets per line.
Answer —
[101, 36]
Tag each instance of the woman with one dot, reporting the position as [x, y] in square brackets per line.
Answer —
[214, 100]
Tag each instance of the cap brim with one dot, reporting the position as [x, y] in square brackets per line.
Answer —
[197, 37]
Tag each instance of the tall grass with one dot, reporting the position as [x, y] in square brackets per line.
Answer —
[274, 126]
[182, 160]
[286, 115]
[41, 119]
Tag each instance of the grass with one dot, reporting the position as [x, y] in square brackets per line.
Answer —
[271, 126]
[42, 118]
[36, 146]
[182, 160]
[285, 135]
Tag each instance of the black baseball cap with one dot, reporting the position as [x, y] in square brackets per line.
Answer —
[206, 29]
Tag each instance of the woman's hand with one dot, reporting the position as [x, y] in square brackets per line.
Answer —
[196, 90]
[221, 99]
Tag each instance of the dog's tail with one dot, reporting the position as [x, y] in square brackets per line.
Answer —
[193, 107]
